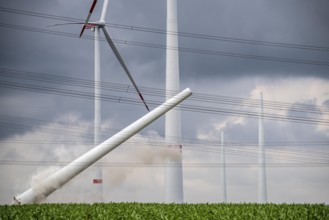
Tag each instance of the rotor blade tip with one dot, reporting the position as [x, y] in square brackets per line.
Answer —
[83, 29]
[142, 98]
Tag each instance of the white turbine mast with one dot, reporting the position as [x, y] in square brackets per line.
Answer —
[262, 189]
[98, 179]
[173, 170]
[223, 164]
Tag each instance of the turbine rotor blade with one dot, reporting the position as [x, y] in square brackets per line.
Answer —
[63, 24]
[88, 17]
[83, 29]
[118, 56]
[104, 10]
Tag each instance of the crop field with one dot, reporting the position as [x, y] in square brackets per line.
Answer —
[165, 211]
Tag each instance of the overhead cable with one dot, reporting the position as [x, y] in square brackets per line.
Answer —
[198, 97]
[181, 49]
[160, 31]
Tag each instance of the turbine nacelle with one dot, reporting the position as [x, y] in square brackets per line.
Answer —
[92, 25]
[97, 23]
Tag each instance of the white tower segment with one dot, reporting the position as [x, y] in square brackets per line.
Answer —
[173, 171]
[262, 190]
[223, 167]
[98, 178]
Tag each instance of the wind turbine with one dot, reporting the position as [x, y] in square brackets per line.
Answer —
[96, 26]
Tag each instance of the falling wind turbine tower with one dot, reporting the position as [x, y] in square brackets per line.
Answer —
[262, 191]
[173, 170]
[50, 184]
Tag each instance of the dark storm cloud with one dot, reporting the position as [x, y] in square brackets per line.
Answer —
[287, 22]
[292, 22]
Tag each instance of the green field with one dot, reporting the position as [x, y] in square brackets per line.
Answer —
[165, 211]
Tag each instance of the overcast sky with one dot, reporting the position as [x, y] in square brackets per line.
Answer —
[234, 48]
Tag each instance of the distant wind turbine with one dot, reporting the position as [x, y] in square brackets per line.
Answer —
[262, 189]
[223, 167]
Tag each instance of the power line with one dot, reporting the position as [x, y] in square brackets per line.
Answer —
[286, 154]
[208, 98]
[291, 155]
[204, 142]
[160, 31]
[190, 144]
[211, 146]
[209, 109]
[186, 164]
[153, 103]
[181, 49]
[271, 154]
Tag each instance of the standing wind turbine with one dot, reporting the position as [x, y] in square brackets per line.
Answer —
[98, 180]
[101, 24]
